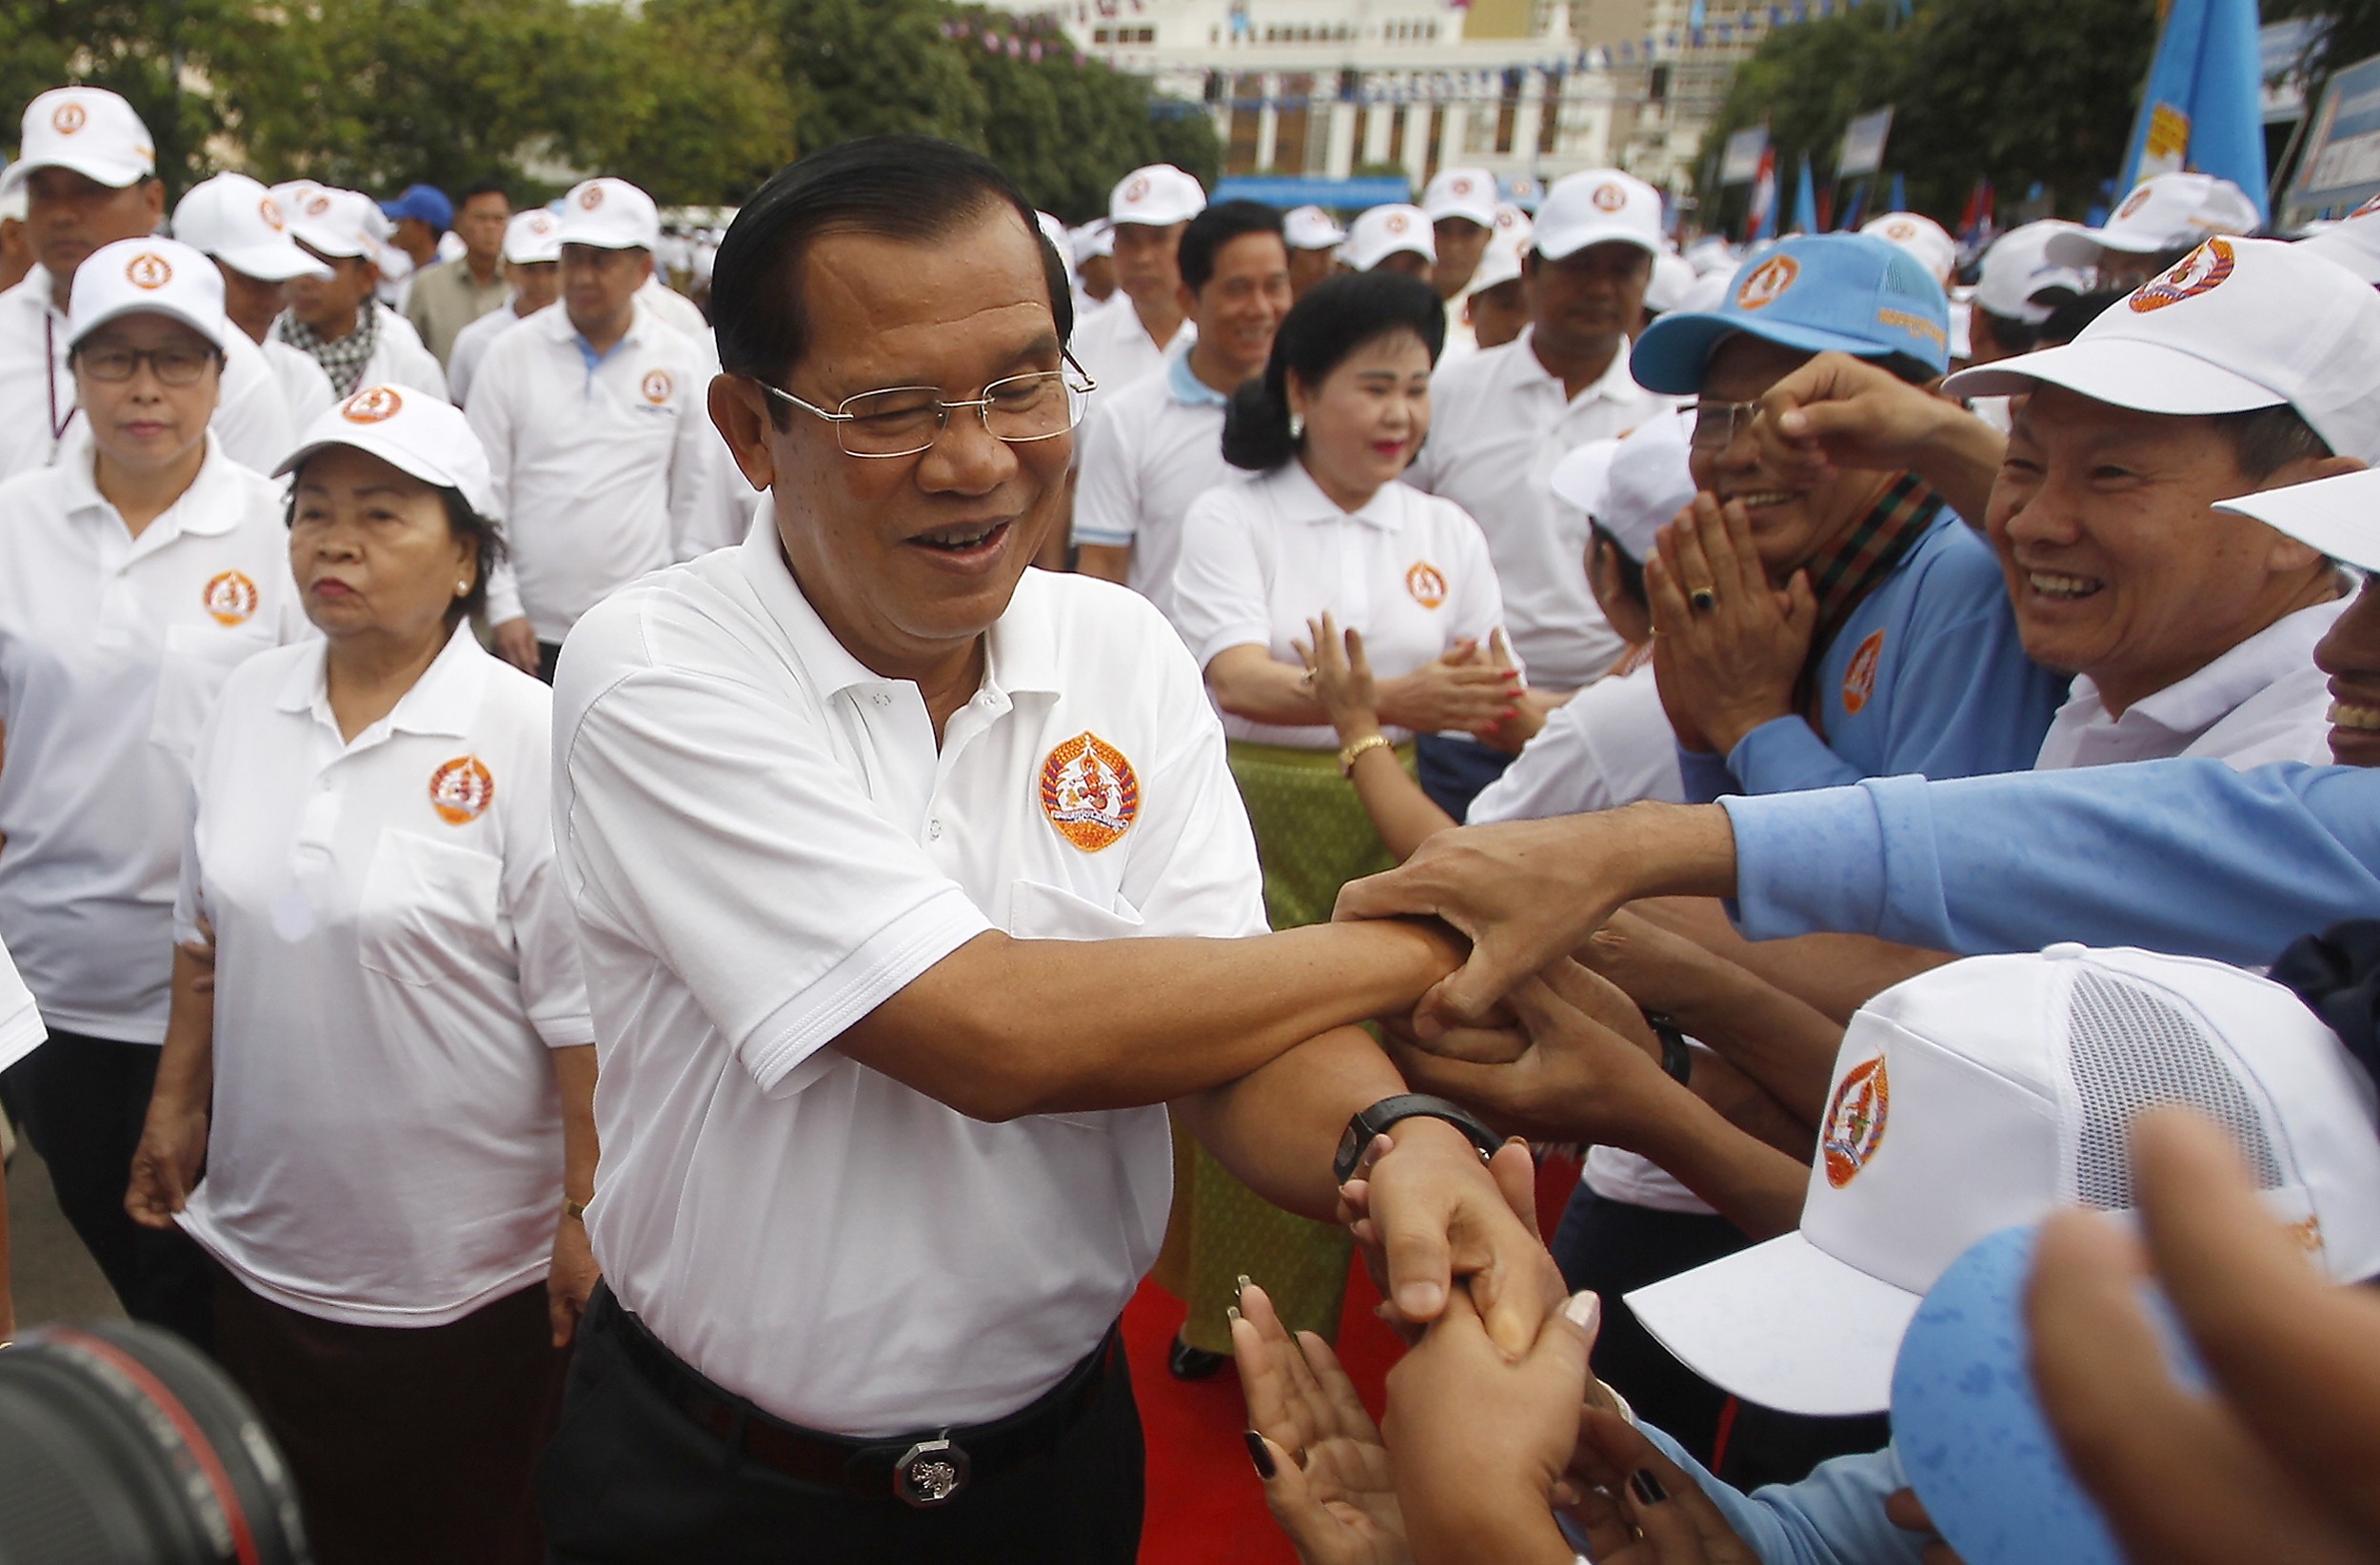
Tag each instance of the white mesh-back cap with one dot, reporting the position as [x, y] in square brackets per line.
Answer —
[1984, 1095]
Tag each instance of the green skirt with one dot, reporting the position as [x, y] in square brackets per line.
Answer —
[1313, 836]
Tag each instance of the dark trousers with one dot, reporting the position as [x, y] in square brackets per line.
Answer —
[549, 653]
[632, 1480]
[81, 1101]
[1455, 771]
[1612, 1247]
[408, 1443]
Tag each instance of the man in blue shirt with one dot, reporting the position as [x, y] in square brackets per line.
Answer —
[1814, 630]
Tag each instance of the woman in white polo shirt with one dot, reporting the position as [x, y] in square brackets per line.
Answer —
[391, 1089]
[1328, 529]
[134, 575]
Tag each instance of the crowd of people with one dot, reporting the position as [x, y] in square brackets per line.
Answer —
[644, 918]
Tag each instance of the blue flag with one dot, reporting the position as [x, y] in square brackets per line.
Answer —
[2203, 108]
[1852, 208]
[1900, 195]
[1805, 202]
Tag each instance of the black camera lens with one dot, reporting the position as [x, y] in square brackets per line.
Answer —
[122, 1445]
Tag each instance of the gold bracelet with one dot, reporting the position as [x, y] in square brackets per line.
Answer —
[1353, 753]
[573, 1209]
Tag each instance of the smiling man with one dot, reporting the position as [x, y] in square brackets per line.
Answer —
[914, 889]
[1816, 630]
[1155, 446]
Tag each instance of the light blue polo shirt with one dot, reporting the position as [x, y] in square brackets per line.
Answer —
[1929, 676]
[2185, 856]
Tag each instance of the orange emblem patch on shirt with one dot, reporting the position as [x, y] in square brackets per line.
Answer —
[231, 598]
[657, 386]
[1089, 792]
[1427, 584]
[1854, 1122]
[462, 789]
[1859, 677]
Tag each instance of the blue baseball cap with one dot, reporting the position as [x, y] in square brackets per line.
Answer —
[426, 202]
[1829, 292]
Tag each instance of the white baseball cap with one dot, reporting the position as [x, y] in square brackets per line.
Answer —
[1501, 262]
[1633, 485]
[2163, 213]
[2239, 324]
[532, 237]
[1712, 253]
[11, 202]
[89, 129]
[2340, 516]
[347, 224]
[2017, 267]
[413, 432]
[1673, 280]
[234, 219]
[148, 276]
[1983, 1095]
[1311, 229]
[1095, 238]
[2352, 243]
[1922, 237]
[609, 214]
[1383, 231]
[291, 194]
[1160, 195]
[1462, 192]
[1598, 206]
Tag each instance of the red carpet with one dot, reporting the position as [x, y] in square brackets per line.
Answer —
[1204, 1502]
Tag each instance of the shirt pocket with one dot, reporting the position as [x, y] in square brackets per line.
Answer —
[426, 903]
[190, 674]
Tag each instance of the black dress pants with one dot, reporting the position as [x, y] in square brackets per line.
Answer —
[81, 1101]
[630, 1479]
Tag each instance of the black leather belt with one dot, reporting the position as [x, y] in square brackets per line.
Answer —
[925, 1470]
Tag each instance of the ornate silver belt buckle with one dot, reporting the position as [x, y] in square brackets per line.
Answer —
[930, 1473]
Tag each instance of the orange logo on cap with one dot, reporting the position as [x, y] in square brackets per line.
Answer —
[1608, 198]
[590, 198]
[68, 118]
[231, 598]
[1766, 282]
[1854, 1122]
[1089, 792]
[371, 404]
[1427, 584]
[269, 210]
[148, 270]
[2133, 202]
[1138, 189]
[657, 385]
[1860, 676]
[539, 224]
[2372, 205]
[316, 205]
[462, 789]
[1901, 229]
[1396, 223]
[1461, 186]
[2201, 269]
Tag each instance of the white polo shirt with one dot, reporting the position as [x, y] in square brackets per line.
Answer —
[1259, 559]
[1608, 745]
[764, 844]
[1114, 350]
[600, 468]
[37, 400]
[21, 1031]
[1147, 452]
[112, 650]
[304, 387]
[394, 956]
[471, 345]
[2263, 701]
[1499, 423]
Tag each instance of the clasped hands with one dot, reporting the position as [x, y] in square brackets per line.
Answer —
[1728, 648]
[1467, 689]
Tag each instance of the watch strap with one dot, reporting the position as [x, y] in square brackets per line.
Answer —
[1371, 1122]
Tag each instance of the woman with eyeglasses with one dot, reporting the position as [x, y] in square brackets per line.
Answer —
[134, 575]
[1326, 540]
[377, 1118]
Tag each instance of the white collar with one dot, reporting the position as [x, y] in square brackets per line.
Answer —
[1297, 498]
[2196, 702]
[443, 701]
[199, 512]
[1615, 385]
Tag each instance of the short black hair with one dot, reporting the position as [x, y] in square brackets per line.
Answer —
[1338, 316]
[1631, 571]
[1216, 226]
[482, 532]
[2067, 321]
[904, 188]
[2265, 440]
[481, 188]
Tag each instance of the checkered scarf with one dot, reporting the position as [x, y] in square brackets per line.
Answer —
[1857, 564]
[344, 360]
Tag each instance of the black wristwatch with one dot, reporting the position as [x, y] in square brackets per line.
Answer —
[1676, 1058]
[1410, 1105]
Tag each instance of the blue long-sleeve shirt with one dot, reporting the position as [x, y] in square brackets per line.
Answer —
[1928, 676]
[1834, 1516]
[2182, 856]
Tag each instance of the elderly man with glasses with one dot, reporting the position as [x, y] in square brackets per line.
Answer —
[915, 891]
[1813, 630]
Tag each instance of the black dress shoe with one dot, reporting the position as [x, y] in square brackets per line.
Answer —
[1184, 1362]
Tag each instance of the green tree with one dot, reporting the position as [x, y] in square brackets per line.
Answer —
[865, 68]
[704, 111]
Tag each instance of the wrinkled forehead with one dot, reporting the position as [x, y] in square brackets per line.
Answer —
[950, 310]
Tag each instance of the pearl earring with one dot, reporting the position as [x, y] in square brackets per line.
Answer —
[1296, 426]
[463, 590]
